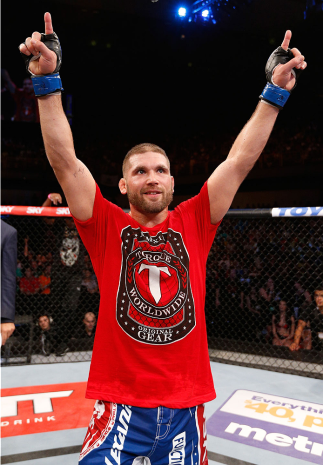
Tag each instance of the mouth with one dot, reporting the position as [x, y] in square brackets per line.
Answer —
[152, 193]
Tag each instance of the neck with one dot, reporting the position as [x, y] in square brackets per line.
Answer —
[149, 220]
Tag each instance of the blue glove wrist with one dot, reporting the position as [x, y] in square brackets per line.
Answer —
[44, 85]
[275, 95]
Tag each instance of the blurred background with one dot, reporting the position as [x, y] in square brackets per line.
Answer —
[137, 71]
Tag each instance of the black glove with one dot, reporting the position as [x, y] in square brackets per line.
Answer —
[51, 41]
[280, 57]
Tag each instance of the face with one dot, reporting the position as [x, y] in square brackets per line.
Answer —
[28, 273]
[318, 296]
[89, 322]
[148, 183]
[44, 323]
[28, 86]
[282, 306]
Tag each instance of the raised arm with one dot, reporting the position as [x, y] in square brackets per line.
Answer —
[74, 177]
[226, 179]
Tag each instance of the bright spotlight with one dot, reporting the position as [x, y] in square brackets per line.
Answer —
[182, 12]
[205, 13]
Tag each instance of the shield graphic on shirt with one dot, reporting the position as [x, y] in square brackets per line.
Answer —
[155, 303]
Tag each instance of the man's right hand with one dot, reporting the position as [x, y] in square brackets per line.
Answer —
[46, 62]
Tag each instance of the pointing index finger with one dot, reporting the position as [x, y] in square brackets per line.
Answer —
[288, 36]
[48, 23]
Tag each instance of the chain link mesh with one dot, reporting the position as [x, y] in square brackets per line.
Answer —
[261, 274]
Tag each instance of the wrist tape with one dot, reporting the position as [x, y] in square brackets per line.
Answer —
[44, 85]
[274, 95]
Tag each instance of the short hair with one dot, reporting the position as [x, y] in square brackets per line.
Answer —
[89, 314]
[142, 148]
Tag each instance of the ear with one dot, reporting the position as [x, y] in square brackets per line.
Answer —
[123, 186]
[173, 183]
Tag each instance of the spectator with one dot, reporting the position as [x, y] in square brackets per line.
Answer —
[89, 325]
[283, 327]
[48, 338]
[89, 282]
[84, 334]
[26, 102]
[67, 275]
[302, 299]
[29, 284]
[309, 332]
[45, 280]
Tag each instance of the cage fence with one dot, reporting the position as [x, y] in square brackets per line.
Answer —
[261, 275]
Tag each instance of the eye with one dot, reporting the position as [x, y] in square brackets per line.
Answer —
[140, 171]
[161, 170]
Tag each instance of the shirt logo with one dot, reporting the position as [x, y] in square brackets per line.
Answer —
[155, 303]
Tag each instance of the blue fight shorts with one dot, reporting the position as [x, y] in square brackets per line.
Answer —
[124, 435]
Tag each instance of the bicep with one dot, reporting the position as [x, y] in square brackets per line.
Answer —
[79, 189]
[222, 187]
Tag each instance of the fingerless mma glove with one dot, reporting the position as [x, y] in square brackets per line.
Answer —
[273, 94]
[50, 83]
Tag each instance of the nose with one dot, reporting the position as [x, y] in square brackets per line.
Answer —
[152, 178]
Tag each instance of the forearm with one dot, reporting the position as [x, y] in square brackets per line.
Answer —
[57, 135]
[253, 137]
[298, 333]
[47, 203]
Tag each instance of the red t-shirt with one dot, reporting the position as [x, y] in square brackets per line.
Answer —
[29, 285]
[150, 346]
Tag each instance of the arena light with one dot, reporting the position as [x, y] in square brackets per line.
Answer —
[210, 11]
[182, 12]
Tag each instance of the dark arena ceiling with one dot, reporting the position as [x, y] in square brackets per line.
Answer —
[139, 63]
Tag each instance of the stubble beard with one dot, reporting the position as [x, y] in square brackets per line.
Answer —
[144, 206]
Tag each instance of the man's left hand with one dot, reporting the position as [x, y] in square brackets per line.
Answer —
[6, 330]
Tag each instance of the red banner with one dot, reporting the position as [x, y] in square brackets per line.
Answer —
[35, 211]
[39, 409]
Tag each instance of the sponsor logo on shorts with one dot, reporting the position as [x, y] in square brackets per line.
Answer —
[119, 439]
[278, 424]
[155, 303]
[101, 425]
[177, 455]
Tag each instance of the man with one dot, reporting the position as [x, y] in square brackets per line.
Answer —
[84, 333]
[50, 341]
[89, 321]
[150, 366]
[8, 280]
[29, 284]
[26, 102]
[309, 331]
[47, 335]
